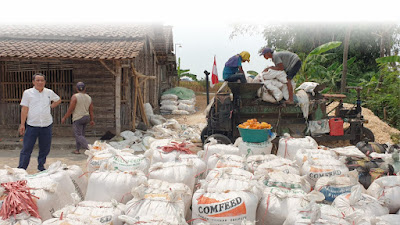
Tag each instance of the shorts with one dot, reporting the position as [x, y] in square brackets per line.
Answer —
[293, 71]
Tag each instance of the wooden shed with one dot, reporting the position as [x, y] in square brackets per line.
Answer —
[110, 59]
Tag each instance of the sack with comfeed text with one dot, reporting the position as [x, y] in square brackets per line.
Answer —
[315, 169]
[224, 208]
[288, 146]
[96, 159]
[107, 185]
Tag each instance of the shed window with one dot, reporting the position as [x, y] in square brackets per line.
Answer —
[14, 83]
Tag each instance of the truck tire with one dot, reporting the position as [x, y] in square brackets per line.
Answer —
[367, 135]
[222, 139]
[204, 134]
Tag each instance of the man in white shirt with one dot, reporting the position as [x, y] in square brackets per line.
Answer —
[37, 121]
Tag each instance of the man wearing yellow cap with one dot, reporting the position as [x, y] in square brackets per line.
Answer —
[233, 70]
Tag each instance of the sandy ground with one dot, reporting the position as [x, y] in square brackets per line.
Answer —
[10, 157]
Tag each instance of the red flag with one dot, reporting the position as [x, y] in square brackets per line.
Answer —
[214, 76]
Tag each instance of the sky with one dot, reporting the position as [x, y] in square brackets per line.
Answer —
[202, 28]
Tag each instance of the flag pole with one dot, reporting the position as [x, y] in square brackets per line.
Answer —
[207, 91]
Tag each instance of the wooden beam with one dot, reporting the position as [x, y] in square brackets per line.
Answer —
[117, 74]
[108, 68]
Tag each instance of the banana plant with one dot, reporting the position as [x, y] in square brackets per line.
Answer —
[316, 55]
[185, 72]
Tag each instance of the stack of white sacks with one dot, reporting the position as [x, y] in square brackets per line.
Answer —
[275, 86]
[221, 184]
[171, 104]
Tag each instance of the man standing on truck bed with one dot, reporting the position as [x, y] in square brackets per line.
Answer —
[287, 61]
[233, 70]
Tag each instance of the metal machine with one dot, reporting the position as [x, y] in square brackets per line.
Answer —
[228, 111]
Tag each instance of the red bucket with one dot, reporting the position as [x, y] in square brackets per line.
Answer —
[336, 127]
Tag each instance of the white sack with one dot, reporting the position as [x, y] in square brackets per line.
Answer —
[188, 101]
[125, 161]
[96, 159]
[9, 174]
[168, 205]
[302, 155]
[278, 164]
[230, 179]
[276, 92]
[78, 178]
[276, 204]
[265, 95]
[169, 107]
[221, 161]
[254, 161]
[169, 97]
[212, 148]
[174, 172]
[21, 219]
[53, 187]
[106, 213]
[334, 186]
[387, 189]
[107, 185]
[308, 87]
[281, 179]
[224, 208]
[186, 107]
[288, 146]
[315, 169]
[180, 112]
[315, 214]
[248, 148]
[349, 151]
[356, 205]
[275, 74]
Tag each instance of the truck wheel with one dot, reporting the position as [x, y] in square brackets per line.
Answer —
[204, 134]
[367, 135]
[222, 139]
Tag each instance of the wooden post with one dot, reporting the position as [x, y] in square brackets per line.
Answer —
[117, 97]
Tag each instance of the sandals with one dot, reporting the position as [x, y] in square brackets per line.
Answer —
[75, 152]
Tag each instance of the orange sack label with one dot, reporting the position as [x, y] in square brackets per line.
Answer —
[225, 208]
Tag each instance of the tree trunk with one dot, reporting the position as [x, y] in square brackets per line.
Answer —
[382, 54]
[345, 55]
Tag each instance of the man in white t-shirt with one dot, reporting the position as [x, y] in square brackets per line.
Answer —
[36, 121]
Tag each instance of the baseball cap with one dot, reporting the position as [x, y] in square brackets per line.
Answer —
[80, 86]
[266, 50]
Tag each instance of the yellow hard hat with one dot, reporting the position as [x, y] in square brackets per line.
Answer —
[245, 56]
